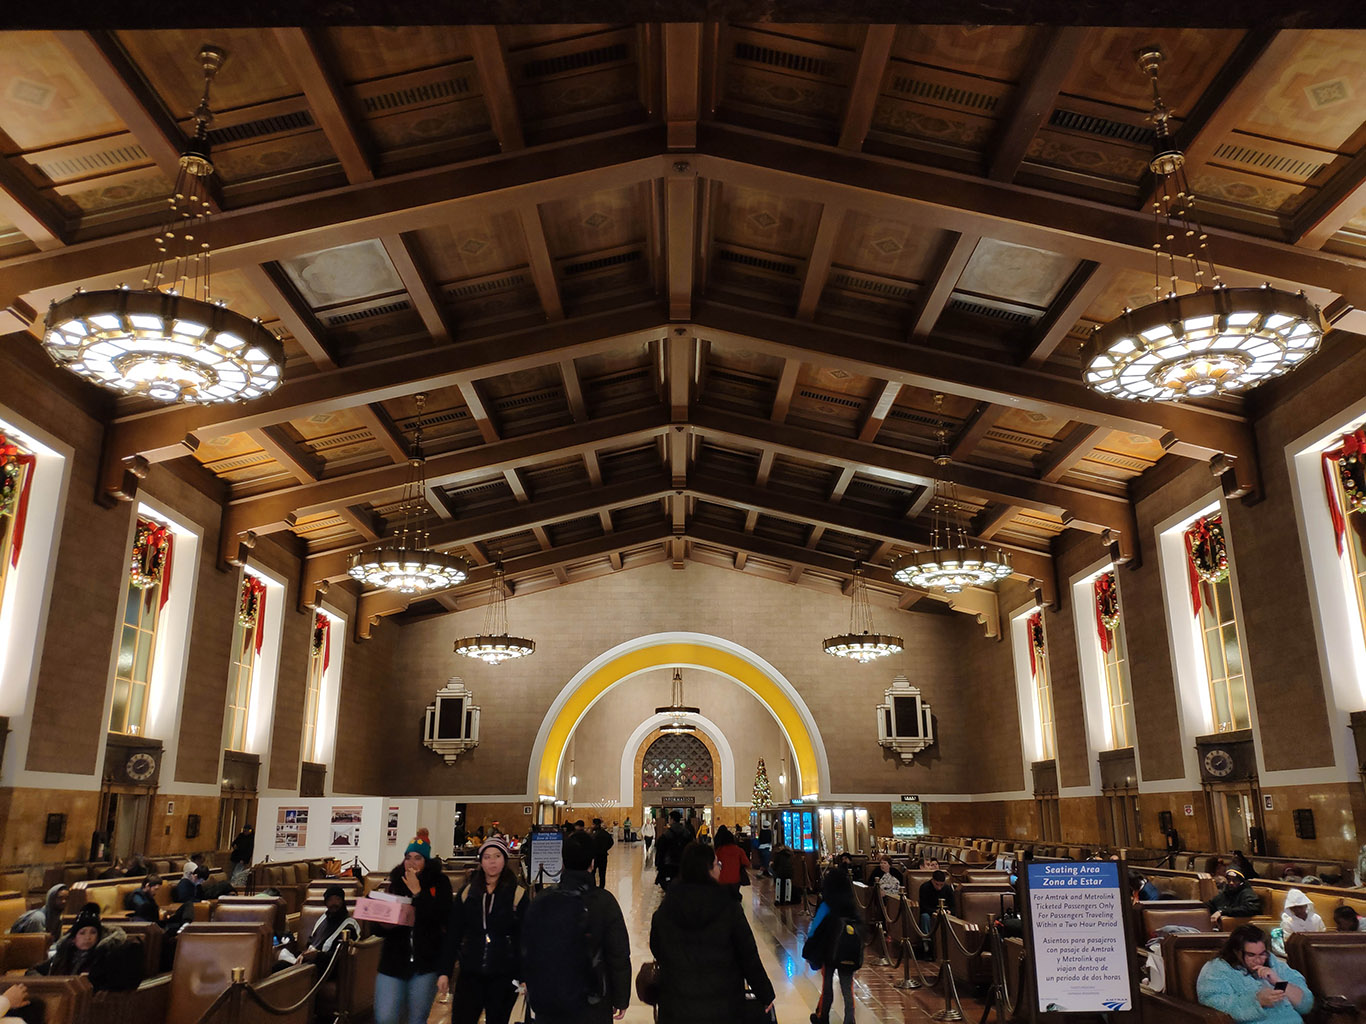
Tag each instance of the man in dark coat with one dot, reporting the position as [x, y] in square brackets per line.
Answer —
[1237, 900]
[602, 842]
[609, 960]
[669, 849]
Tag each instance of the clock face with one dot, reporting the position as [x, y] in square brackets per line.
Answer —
[141, 767]
[1219, 763]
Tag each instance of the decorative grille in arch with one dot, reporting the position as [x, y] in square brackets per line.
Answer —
[676, 762]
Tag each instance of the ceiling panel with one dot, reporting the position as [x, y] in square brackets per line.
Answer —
[47, 101]
[1015, 272]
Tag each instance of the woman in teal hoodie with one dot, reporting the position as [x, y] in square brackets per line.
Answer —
[1247, 982]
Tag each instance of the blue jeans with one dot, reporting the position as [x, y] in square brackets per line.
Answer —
[404, 1000]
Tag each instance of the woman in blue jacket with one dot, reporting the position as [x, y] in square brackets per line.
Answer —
[1247, 982]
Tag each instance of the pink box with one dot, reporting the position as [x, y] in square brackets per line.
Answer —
[383, 911]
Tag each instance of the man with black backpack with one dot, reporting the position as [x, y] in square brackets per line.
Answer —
[576, 953]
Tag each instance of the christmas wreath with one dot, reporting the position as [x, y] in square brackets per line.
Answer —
[249, 602]
[1107, 600]
[11, 473]
[151, 547]
[1352, 473]
[1208, 550]
[322, 626]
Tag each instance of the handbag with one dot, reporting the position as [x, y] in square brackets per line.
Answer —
[648, 983]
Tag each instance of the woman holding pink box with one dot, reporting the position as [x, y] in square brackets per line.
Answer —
[408, 967]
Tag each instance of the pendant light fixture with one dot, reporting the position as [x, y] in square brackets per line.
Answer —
[1211, 339]
[495, 645]
[953, 561]
[677, 711]
[170, 340]
[862, 643]
[406, 563]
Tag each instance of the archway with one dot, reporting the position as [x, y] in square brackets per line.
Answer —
[687, 650]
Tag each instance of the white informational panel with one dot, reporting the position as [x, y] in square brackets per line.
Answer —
[545, 853]
[1076, 916]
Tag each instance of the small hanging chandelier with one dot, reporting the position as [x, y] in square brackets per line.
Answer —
[951, 563]
[494, 645]
[1211, 340]
[406, 563]
[862, 643]
[171, 340]
[677, 710]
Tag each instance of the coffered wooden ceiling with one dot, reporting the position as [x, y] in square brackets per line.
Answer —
[680, 291]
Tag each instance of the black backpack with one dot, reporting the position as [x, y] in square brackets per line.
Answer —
[562, 961]
[848, 947]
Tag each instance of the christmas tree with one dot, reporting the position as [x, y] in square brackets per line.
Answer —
[763, 796]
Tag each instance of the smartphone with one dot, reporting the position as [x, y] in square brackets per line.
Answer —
[1280, 986]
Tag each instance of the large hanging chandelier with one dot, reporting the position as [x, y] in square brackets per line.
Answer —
[1208, 341]
[495, 645]
[406, 563]
[952, 562]
[677, 711]
[862, 643]
[171, 340]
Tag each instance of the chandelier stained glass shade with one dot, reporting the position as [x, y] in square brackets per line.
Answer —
[170, 340]
[1208, 339]
[495, 645]
[953, 560]
[406, 562]
[863, 643]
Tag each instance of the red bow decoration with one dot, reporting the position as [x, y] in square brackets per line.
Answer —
[1206, 555]
[153, 547]
[1107, 608]
[322, 638]
[1346, 465]
[252, 608]
[16, 482]
[1034, 626]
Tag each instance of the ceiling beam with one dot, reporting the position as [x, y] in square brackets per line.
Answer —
[327, 102]
[682, 69]
[171, 432]
[1068, 450]
[404, 255]
[294, 456]
[1199, 433]
[974, 428]
[1050, 62]
[866, 85]
[1334, 205]
[541, 265]
[680, 229]
[936, 198]
[24, 206]
[273, 511]
[365, 521]
[1032, 564]
[1074, 299]
[1078, 507]
[474, 402]
[383, 429]
[573, 390]
[102, 61]
[386, 206]
[942, 279]
[292, 313]
[878, 411]
[500, 97]
[378, 603]
[992, 519]
[818, 263]
[787, 387]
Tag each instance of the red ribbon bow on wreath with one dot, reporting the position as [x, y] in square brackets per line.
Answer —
[1345, 465]
[1037, 648]
[16, 481]
[252, 608]
[1107, 608]
[322, 638]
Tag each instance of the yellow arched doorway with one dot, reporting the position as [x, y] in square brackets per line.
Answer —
[688, 650]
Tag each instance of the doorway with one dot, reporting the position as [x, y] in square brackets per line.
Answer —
[1233, 814]
[124, 822]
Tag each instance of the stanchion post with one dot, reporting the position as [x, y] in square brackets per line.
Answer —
[953, 1008]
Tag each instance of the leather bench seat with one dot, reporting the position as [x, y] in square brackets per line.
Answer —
[1183, 957]
[1333, 964]
[13, 905]
[65, 1000]
[268, 910]
[1157, 914]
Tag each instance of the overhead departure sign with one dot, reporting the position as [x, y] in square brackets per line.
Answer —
[1076, 916]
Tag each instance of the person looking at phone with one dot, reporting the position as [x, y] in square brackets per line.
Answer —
[1249, 983]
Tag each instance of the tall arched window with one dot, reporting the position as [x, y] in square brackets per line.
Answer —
[149, 579]
[676, 761]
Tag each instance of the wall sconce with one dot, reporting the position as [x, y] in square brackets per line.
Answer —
[452, 725]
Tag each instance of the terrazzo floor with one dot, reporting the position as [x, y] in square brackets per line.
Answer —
[780, 932]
